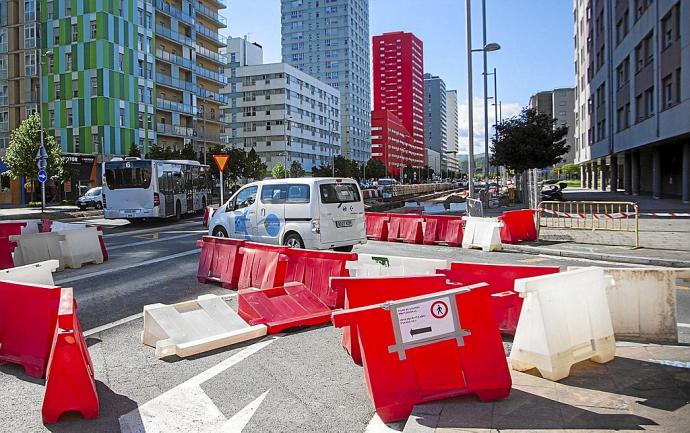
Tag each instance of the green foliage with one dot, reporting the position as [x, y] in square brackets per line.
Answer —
[322, 171]
[254, 168]
[134, 151]
[25, 141]
[346, 168]
[572, 170]
[279, 171]
[34, 204]
[188, 153]
[529, 140]
[375, 169]
[296, 169]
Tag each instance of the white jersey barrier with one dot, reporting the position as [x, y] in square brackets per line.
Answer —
[38, 247]
[36, 273]
[369, 265]
[482, 233]
[643, 303]
[193, 327]
[80, 246]
[57, 226]
[565, 319]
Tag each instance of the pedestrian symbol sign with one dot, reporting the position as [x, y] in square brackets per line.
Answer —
[221, 161]
[439, 309]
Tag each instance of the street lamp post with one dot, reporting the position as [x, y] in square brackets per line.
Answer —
[42, 155]
[495, 103]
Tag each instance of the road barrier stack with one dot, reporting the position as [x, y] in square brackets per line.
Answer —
[220, 261]
[377, 225]
[427, 348]
[565, 319]
[193, 327]
[208, 214]
[506, 302]
[406, 228]
[57, 226]
[263, 266]
[482, 233]
[7, 247]
[443, 230]
[518, 226]
[369, 265]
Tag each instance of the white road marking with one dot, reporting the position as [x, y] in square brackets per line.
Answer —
[378, 426]
[151, 230]
[239, 421]
[187, 408]
[152, 241]
[64, 281]
[128, 319]
[684, 325]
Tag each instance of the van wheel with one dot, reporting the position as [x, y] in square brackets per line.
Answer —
[178, 211]
[345, 249]
[293, 240]
[220, 232]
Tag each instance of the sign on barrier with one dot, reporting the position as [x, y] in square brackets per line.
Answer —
[369, 265]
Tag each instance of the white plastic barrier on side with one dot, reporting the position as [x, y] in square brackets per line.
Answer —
[30, 227]
[81, 246]
[369, 265]
[458, 207]
[565, 319]
[412, 204]
[193, 327]
[36, 273]
[643, 303]
[57, 226]
[38, 247]
[434, 208]
[482, 233]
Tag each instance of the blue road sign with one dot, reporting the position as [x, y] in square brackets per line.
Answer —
[42, 176]
[42, 164]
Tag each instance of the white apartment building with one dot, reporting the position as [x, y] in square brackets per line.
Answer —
[453, 133]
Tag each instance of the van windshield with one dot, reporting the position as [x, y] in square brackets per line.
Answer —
[339, 193]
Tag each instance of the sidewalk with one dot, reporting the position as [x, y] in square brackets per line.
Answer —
[646, 387]
[53, 212]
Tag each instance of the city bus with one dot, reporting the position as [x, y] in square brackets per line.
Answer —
[135, 188]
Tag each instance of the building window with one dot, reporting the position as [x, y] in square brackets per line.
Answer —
[122, 62]
[623, 73]
[667, 87]
[77, 147]
[94, 86]
[51, 118]
[69, 117]
[122, 117]
[92, 26]
[649, 102]
[68, 61]
[670, 27]
[57, 90]
[75, 33]
[75, 88]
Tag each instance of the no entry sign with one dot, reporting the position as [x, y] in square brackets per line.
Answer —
[221, 161]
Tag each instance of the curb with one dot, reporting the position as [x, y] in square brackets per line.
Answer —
[649, 261]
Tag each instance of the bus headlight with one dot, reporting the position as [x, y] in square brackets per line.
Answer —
[316, 227]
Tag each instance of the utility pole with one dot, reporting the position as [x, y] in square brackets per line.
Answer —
[470, 162]
[486, 99]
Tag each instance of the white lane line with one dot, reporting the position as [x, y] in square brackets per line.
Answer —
[684, 325]
[152, 241]
[128, 319]
[378, 426]
[64, 281]
[240, 420]
[150, 230]
[186, 407]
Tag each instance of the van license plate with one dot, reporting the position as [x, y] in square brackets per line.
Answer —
[343, 223]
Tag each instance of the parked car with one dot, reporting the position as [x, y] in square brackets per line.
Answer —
[92, 198]
[314, 213]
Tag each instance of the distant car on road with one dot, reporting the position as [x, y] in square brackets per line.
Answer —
[382, 183]
[93, 198]
[314, 213]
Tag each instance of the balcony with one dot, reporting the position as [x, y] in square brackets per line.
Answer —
[177, 131]
[212, 55]
[173, 36]
[217, 97]
[209, 34]
[211, 116]
[210, 14]
[208, 136]
[174, 12]
[167, 80]
[214, 76]
[173, 58]
[164, 104]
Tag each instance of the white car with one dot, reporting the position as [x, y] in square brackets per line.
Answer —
[314, 213]
[92, 198]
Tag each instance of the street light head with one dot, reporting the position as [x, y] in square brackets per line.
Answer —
[493, 46]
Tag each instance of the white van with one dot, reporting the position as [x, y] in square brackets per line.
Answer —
[314, 213]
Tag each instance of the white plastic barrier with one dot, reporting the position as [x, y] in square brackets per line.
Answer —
[30, 227]
[57, 226]
[482, 233]
[434, 208]
[368, 265]
[193, 327]
[565, 319]
[36, 273]
[643, 303]
[458, 207]
[38, 247]
[80, 246]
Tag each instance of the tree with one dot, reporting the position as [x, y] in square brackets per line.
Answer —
[237, 165]
[376, 169]
[25, 141]
[322, 171]
[408, 173]
[188, 153]
[529, 140]
[296, 169]
[155, 152]
[571, 170]
[279, 171]
[346, 167]
[254, 168]
[134, 151]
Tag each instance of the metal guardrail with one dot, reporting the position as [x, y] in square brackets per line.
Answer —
[396, 191]
[615, 216]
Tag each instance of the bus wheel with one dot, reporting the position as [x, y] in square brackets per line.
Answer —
[178, 211]
[293, 240]
[220, 232]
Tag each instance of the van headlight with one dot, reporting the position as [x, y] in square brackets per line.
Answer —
[316, 226]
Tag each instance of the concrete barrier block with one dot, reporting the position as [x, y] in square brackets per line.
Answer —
[36, 273]
[369, 265]
[482, 233]
[193, 327]
[81, 246]
[643, 303]
[564, 319]
[38, 247]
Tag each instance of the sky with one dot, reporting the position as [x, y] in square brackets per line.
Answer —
[536, 38]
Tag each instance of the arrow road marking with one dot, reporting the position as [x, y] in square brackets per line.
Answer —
[187, 408]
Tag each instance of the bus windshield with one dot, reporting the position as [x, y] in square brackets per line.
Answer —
[128, 174]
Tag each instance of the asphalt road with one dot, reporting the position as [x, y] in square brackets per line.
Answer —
[299, 381]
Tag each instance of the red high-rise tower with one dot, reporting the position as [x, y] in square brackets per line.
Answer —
[398, 75]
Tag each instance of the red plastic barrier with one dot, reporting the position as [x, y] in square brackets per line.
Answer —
[28, 314]
[46, 225]
[436, 230]
[208, 213]
[280, 308]
[454, 233]
[315, 268]
[263, 266]
[407, 228]
[220, 261]
[518, 226]
[501, 281]
[360, 292]
[428, 348]
[6, 249]
[377, 225]
[13, 228]
[70, 382]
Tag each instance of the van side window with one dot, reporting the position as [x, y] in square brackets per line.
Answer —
[298, 194]
[245, 197]
[273, 194]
